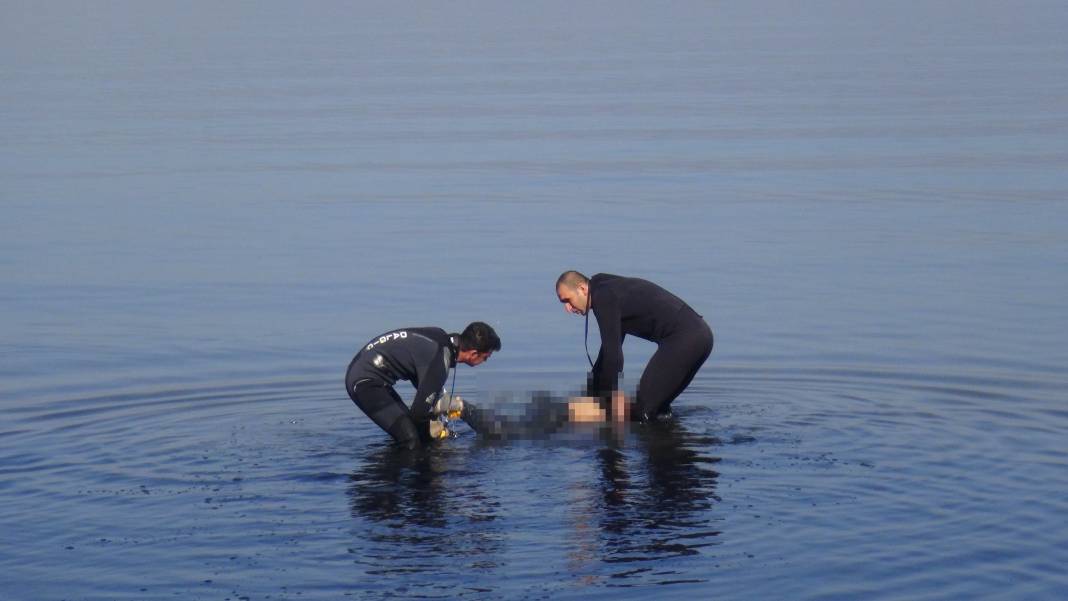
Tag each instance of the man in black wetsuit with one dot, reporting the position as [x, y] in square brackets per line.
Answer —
[422, 356]
[643, 309]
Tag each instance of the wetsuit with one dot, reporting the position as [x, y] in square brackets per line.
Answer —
[421, 355]
[643, 309]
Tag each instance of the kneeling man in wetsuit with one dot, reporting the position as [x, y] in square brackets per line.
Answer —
[643, 309]
[423, 356]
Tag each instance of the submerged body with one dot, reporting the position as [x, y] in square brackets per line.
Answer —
[542, 416]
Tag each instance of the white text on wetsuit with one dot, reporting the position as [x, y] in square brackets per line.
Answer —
[386, 338]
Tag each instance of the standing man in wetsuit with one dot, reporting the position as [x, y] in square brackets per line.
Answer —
[643, 309]
[423, 356]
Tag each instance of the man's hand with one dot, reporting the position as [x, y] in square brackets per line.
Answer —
[456, 408]
[438, 430]
[449, 406]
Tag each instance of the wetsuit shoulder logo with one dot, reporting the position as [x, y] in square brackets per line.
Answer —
[399, 334]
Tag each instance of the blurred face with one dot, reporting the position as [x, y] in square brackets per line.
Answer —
[576, 300]
[585, 409]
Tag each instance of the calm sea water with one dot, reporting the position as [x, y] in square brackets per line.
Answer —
[206, 210]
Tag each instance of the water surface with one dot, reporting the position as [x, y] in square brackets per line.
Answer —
[206, 211]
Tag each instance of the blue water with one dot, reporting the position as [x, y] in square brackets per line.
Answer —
[206, 211]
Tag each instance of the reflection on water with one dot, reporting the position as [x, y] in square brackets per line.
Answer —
[652, 503]
[647, 501]
[424, 515]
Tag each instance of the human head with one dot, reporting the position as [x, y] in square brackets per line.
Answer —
[573, 290]
[477, 342]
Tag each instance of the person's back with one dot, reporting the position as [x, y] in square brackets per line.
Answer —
[643, 308]
[400, 355]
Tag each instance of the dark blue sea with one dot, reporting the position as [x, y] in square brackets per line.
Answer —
[207, 208]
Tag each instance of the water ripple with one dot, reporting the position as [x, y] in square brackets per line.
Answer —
[869, 459]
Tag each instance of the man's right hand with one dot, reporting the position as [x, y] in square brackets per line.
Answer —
[438, 430]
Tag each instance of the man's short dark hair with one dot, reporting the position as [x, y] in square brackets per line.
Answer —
[571, 279]
[478, 336]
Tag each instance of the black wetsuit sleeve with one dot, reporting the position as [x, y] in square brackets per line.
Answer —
[610, 358]
[431, 379]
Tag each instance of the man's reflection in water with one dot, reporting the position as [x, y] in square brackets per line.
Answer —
[652, 503]
[422, 511]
